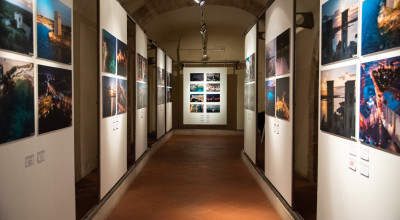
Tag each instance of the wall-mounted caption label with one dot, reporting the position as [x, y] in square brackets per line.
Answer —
[41, 156]
[364, 153]
[353, 149]
[29, 160]
[352, 163]
[364, 168]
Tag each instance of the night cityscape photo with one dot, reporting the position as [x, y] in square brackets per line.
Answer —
[380, 104]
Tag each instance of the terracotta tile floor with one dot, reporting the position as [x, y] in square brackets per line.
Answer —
[195, 177]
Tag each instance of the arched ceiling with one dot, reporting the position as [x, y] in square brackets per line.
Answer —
[144, 11]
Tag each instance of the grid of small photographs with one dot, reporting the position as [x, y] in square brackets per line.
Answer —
[205, 92]
[114, 64]
[141, 81]
[277, 76]
[378, 105]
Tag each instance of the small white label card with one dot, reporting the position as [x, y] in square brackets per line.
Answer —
[364, 153]
[40, 156]
[353, 149]
[29, 160]
[364, 168]
[352, 163]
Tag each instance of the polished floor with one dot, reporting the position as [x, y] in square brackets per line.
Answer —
[195, 177]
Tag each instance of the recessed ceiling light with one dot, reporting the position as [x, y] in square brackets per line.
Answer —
[202, 2]
[197, 1]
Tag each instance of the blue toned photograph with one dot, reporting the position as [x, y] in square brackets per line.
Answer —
[380, 25]
[109, 53]
[16, 30]
[17, 110]
[380, 105]
[270, 97]
[54, 31]
[339, 30]
[55, 98]
[197, 87]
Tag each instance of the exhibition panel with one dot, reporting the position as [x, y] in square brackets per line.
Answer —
[250, 91]
[141, 93]
[168, 119]
[204, 96]
[113, 94]
[160, 93]
[359, 110]
[36, 110]
[279, 50]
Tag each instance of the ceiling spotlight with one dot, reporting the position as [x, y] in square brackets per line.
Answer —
[203, 29]
[197, 1]
[202, 2]
[204, 55]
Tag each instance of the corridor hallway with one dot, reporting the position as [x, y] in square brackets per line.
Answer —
[195, 177]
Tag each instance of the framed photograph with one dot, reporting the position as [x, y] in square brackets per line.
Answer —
[17, 100]
[283, 53]
[213, 77]
[196, 87]
[169, 79]
[213, 109]
[196, 77]
[16, 25]
[122, 96]
[54, 37]
[270, 97]
[338, 101]
[55, 98]
[109, 53]
[380, 25]
[282, 105]
[270, 51]
[213, 87]
[122, 58]
[141, 95]
[196, 108]
[213, 97]
[141, 68]
[109, 96]
[160, 95]
[252, 97]
[196, 97]
[169, 95]
[250, 68]
[379, 105]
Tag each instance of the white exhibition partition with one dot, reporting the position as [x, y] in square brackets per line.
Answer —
[168, 119]
[37, 172]
[113, 127]
[356, 181]
[278, 131]
[202, 111]
[141, 112]
[160, 93]
[250, 114]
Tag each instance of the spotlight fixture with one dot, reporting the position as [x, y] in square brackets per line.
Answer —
[197, 1]
[203, 29]
[202, 2]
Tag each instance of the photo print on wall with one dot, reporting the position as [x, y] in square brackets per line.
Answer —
[16, 25]
[283, 53]
[141, 95]
[213, 87]
[160, 76]
[213, 77]
[252, 97]
[379, 104]
[197, 87]
[196, 108]
[282, 105]
[54, 31]
[169, 79]
[17, 110]
[250, 69]
[246, 96]
[213, 97]
[141, 68]
[109, 96]
[338, 101]
[122, 58]
[380, 25]
[196, 97]
[160, 95]
[109, 52]
[122, 96]
[270, 97]
[169, 95]
[196, 77]
[339, 30]
[213, 109]
[55, 98]
[270, 51]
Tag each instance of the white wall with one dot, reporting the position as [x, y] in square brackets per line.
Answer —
[168, 105]
[113, 142]
[160, 107]
[44, 190]
[250, 117]
[279, 133]
[141, 114]
[344, 193]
